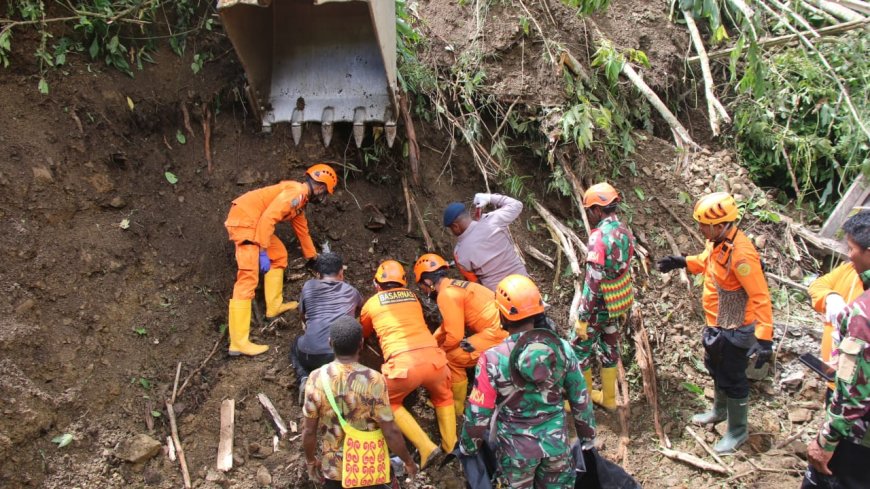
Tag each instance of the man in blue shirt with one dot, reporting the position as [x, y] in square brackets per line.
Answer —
[322, 301]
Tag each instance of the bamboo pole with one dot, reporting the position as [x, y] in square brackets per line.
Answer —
[780, 40]
[714, 108]
[838, 10]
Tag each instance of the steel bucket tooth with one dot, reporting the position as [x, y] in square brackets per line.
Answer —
[390, 128]
[326, 125]
[296, 125]
[359, 126]
[313, 55]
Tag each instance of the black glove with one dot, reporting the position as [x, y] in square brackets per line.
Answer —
[465, 345]
[669, 263]
[311, 264]
[763, 349]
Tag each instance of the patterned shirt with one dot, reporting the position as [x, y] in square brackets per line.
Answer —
[611, 248]
[848, 416]
[360, 393]
[531, 424]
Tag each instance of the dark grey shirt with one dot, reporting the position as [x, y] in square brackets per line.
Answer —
[321, 302]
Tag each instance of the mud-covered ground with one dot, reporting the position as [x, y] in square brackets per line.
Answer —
[112, 274]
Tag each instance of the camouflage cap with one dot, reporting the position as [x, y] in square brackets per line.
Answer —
[537, 359]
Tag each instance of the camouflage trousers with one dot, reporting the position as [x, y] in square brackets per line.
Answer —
[518, 472]
[602, 341]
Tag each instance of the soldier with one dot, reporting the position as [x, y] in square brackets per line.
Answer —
[607, 292]
[464, 307]
[838, 455]
[524, 381]
[738, 313]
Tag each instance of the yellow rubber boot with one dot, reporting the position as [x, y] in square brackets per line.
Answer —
[608, 387]
[594, 395]
[273, 289]
[447, 426]
[460, 392]
[240, 328]
[429, 452]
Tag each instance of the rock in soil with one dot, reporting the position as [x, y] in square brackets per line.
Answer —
[264, 478]
[800, 415]
[138, 449]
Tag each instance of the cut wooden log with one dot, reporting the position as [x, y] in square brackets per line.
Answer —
[276, 418]
[225, 446]
[540, 256]
[826, 245]
[693, 460]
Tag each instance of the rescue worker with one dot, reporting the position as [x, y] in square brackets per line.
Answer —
[608, 293]
[465, 307]
[524, 381]
[251, 226]
[838, 455]
[830, 295]
[484, 250]
[411, 358]
[738, 312]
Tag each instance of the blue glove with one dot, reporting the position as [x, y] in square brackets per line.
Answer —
[265, 262]
[763, 349]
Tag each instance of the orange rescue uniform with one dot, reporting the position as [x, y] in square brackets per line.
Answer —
[251, 226]
[844, 281]
[411, 355]
[733, 264]
[466, 307]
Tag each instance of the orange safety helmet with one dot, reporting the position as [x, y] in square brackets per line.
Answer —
[429, 262]
[324, 174]
[391, 271]
[602, 194]
[716, 208]
[517, 297]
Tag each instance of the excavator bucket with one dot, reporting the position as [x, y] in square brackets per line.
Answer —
[323, 61]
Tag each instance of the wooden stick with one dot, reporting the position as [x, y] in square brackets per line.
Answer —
[540, 256]
[407, 205]
[187, 125]
[779, 40]
[624, 439]
[201, 365]
[179, 449]
[643, 354]
[149, 419]
[792, 437]
[206, 132]
[413, 148]
[430, 246]
[660, 106]
[279, 422]
[715, 110]
[707, 448]
[684, 276]
[171, 449]
[693, 460]
[569, 61]
[225, 447]
[557, 229]
[673, 214]
[788, 282]
[175, 384]
[578, 193]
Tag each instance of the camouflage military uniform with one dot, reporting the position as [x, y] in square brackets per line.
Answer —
[532, 439]
[611, 247]
[845, 431]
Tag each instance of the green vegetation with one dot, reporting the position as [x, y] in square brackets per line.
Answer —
[120, 33]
